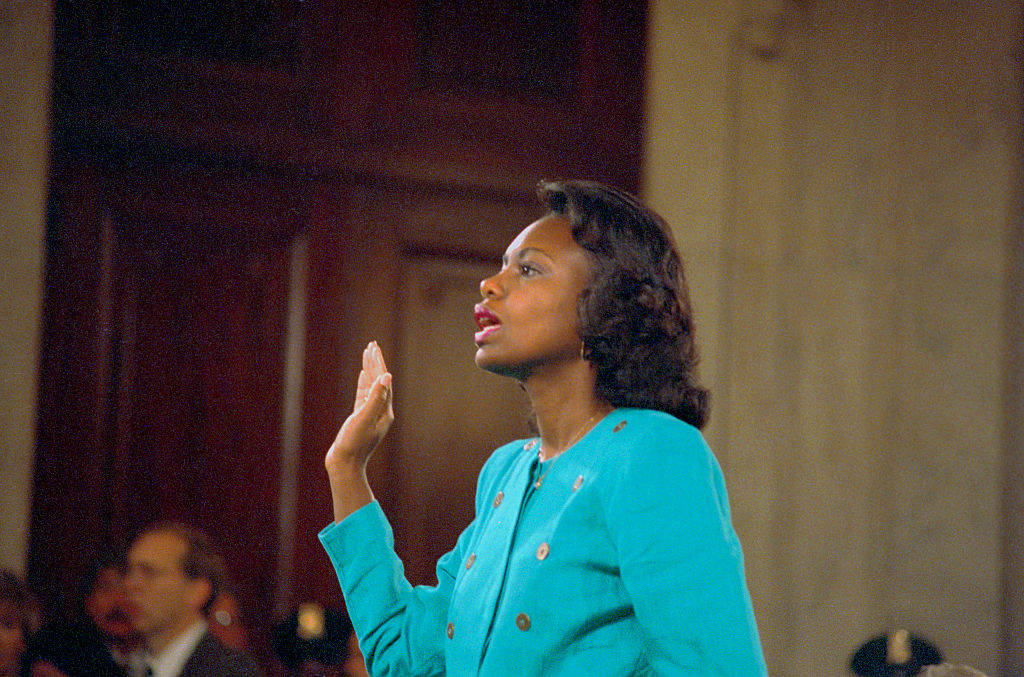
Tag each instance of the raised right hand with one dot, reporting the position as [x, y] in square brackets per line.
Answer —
[371, 417]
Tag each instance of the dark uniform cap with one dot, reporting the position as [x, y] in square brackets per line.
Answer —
[312, 634]
[897, 653]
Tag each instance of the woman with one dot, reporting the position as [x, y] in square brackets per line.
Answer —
[603, 546]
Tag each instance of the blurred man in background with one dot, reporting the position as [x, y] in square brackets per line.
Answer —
[174, 574]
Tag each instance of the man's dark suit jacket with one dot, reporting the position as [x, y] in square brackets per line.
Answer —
[212, 659]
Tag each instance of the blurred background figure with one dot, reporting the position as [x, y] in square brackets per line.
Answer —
[19, 620]
[895, 654]
[174, 574]
[355, 664]
[98, 639]
[318, 642]
[66, 650]
[104, 607]
[225, 621]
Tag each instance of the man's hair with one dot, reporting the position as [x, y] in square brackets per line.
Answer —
[202, 560]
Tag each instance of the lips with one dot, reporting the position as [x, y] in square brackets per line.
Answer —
[487, 321]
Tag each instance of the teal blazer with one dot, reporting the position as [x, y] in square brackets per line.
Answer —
[623, 562]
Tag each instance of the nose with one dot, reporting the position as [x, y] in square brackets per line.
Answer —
[130, 582]
[490, 287]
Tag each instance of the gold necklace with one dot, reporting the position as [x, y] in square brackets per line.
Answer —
[579, 435]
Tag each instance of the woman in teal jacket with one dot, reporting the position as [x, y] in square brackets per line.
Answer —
[602, 546]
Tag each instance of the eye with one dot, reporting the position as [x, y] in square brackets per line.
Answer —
[527, 270]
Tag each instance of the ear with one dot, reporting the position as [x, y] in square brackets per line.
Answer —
[199, 592]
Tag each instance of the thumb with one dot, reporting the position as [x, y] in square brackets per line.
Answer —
[379, 397]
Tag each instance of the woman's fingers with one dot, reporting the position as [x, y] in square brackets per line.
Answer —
[371, 417]
[380, 398]
[369, 423]
[372, 369]
[378, 357]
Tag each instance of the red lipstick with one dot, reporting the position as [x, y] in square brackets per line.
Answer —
[487, 321]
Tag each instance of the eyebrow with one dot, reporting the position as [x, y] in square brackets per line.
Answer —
[524, 251]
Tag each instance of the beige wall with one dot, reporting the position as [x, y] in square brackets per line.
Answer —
[842, 177]
[25, 59]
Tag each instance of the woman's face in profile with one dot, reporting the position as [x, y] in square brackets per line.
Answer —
[527, 320]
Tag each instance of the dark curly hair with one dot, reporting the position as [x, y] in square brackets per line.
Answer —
[634, 317]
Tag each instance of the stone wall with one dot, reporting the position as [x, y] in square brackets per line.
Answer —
[842, 178]
[26, 35]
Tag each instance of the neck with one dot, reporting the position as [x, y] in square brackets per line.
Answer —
[159, 640]
[566, 407]
[124, 645]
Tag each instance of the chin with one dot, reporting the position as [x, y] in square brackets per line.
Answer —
[482, 359]
[501, 368]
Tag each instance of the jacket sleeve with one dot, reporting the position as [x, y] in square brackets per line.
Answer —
[681, 562]
[400, 627]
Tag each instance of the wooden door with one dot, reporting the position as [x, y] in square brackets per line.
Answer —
[238, 209]
[164, 364]
[410, 279]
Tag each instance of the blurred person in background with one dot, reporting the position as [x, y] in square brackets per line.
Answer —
[174, 575]
[224, 618]
[64, 650]
[20, 618]
[318, 642]
[104, 607]
[99, 639]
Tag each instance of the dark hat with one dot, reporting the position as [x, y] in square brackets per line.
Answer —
[892, 654]
[312, 633]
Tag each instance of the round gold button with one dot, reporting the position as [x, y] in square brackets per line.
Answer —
[620, 426]
[470, 560]
[578, 483]
[451, 630]
[523, 622]
[543, 551]
[498, 499]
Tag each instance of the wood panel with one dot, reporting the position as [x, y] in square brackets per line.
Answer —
[180, 302]
[498, 46]
[453, 414]
[367, 259]
[503, 89]
[238, 209]
[198, 401]
[69, 501]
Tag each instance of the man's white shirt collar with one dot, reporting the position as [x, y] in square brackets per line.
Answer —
[172, 659]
